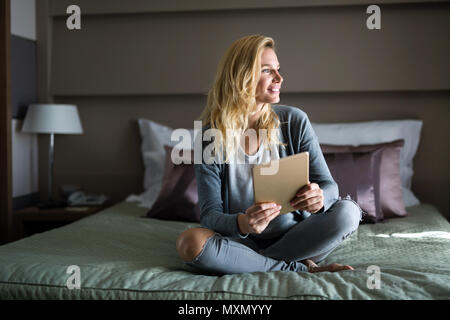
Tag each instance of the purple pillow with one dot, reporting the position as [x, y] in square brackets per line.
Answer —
[178, 199]
[357, 174]
[370, 174]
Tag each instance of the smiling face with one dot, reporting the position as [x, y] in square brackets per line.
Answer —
[269, 84]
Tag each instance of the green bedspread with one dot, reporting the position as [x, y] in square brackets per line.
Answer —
[122, 255]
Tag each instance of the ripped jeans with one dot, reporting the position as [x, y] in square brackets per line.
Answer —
[313, 238]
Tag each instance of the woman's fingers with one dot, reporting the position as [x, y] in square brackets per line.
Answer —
[260, 207]
[264, 216]
[311, 205]
[307, 202]
[310, 191]
[259, 215]
[274, 214]
[308, 198]
[309, 188]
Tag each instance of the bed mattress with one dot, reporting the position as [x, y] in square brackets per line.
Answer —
[122, 255]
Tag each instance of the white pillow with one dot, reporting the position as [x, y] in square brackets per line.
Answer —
[371, 132]
[154, 136]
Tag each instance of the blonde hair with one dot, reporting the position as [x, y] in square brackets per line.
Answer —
[231, 99]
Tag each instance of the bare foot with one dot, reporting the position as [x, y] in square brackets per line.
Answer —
[313, 267]
[309, 264]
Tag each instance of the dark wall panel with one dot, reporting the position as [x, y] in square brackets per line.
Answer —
[23, 75]
[321, 49]
[58, 7]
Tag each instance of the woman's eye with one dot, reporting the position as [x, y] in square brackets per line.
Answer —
[265, 70]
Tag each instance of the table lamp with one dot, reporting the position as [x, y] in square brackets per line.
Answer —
[52, 119]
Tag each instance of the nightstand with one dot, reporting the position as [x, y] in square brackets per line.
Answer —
[32, 220]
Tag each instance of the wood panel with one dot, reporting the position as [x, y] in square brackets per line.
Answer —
[44, 54]
[326, 49]
[23, 75]
[88, 7]
[6, 223]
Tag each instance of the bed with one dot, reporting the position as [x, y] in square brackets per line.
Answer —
[121, 254]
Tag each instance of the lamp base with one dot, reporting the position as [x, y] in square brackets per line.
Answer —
[52, 204]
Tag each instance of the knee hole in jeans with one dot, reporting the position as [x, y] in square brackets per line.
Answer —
[190, 242]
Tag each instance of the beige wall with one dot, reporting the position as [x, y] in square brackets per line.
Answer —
[120, 67]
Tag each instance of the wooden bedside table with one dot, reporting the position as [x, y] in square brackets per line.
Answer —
[32, 220]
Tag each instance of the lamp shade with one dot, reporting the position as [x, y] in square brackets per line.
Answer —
[52, 118]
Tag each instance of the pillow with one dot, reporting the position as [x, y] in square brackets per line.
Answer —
[178, 199]
[154, 136]
[372, 132]
[358, 175]
[387, 185]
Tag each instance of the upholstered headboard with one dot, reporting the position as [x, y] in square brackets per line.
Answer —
[133, 60]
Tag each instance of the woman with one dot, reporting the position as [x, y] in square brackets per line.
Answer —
[238, 235]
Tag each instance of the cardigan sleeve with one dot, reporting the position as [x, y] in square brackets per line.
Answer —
[305, 139]
[212, 215]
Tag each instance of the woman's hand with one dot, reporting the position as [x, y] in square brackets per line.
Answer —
[257, 217]
[309, 198]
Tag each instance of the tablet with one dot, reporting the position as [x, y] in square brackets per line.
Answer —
[279, 180]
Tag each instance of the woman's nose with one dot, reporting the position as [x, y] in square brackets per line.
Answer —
[278, 77]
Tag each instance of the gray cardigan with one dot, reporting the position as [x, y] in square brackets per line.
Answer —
[213, 187]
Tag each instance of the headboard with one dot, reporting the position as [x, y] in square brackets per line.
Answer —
[134, 60]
